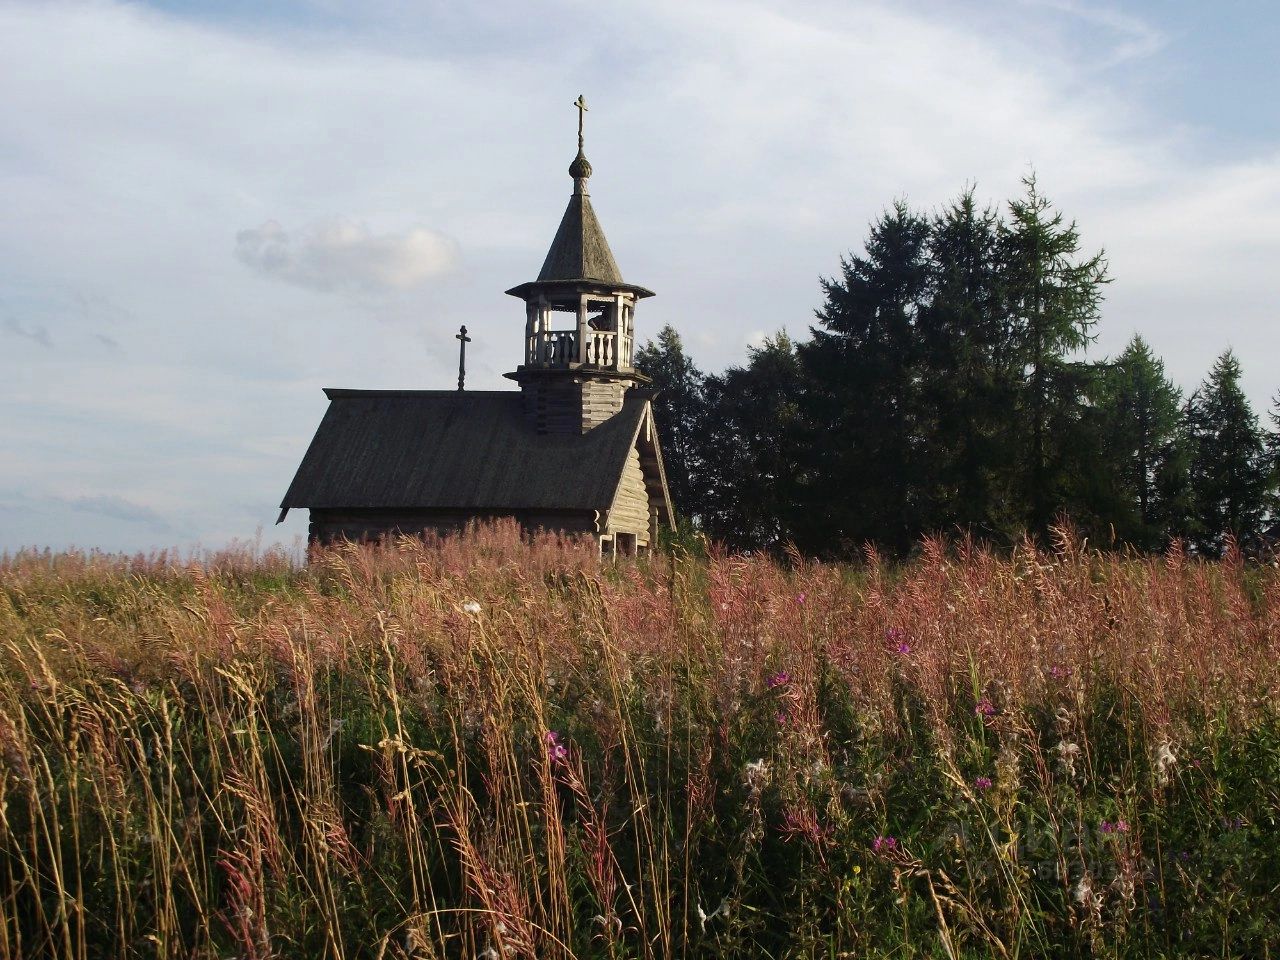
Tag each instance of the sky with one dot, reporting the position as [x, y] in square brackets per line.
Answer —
[213, 210]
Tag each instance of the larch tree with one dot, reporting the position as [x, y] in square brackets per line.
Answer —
[1053, 297]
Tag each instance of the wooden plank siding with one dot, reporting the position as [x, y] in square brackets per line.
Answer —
[630, 510]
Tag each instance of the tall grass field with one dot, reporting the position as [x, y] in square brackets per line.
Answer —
[491, 748]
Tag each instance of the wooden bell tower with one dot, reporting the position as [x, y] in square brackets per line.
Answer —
[579, 321]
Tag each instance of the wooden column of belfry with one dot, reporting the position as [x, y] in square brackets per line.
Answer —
[574, 450]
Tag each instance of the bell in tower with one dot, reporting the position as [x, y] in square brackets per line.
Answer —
[579, 321]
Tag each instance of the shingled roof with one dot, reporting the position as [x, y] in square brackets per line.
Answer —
[579, 256]
[580, 250]
[446, 448]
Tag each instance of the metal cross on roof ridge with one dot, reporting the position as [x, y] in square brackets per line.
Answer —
[581, 104]
[463, 340]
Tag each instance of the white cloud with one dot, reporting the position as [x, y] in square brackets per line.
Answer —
[1135, 37]
[342, 254]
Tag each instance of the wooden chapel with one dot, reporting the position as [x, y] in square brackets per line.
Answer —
[574, 450]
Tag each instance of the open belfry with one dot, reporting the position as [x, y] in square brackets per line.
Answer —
[575, 450]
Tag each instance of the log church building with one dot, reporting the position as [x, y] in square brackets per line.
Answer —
[574, 450]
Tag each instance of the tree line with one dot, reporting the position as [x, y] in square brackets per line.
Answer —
[944, 388]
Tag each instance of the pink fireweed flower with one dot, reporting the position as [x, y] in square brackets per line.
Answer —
[800, 598]
[982, 783]
[804, 823]
[985, 708]
[1059, 673]
[779, 679]
[897, 638]
[556, 750]
[1120, 826]
[884, 844]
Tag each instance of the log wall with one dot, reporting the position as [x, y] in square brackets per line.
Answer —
[331, 526]
[571, 404]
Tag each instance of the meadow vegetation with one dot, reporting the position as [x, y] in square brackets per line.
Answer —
[492, 748]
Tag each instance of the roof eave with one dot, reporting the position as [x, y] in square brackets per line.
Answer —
[526, 291]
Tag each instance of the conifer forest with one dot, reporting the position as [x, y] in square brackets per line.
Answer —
[945, 388]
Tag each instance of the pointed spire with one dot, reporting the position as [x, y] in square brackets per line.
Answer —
[579, 253]
[580, 250]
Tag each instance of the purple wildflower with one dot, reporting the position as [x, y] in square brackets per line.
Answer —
[982, 783]
[800, 598]
[884, 844]
[779, 679]
[985, 708]
[556, 750]
[1059, 673]
[1120, 826]
[903, 648]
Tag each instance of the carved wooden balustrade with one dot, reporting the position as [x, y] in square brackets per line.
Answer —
[559, 349]
[603, 341]
[554, 348]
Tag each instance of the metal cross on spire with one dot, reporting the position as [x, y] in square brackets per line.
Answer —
[463, 340]
[581, 104]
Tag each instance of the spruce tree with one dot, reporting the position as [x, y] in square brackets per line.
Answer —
[1140, 414]
[679, 411]
[861, 366]
[1273, 464]
[1229, 470]
[755, 443]
[968, 375]
[1174, 496]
